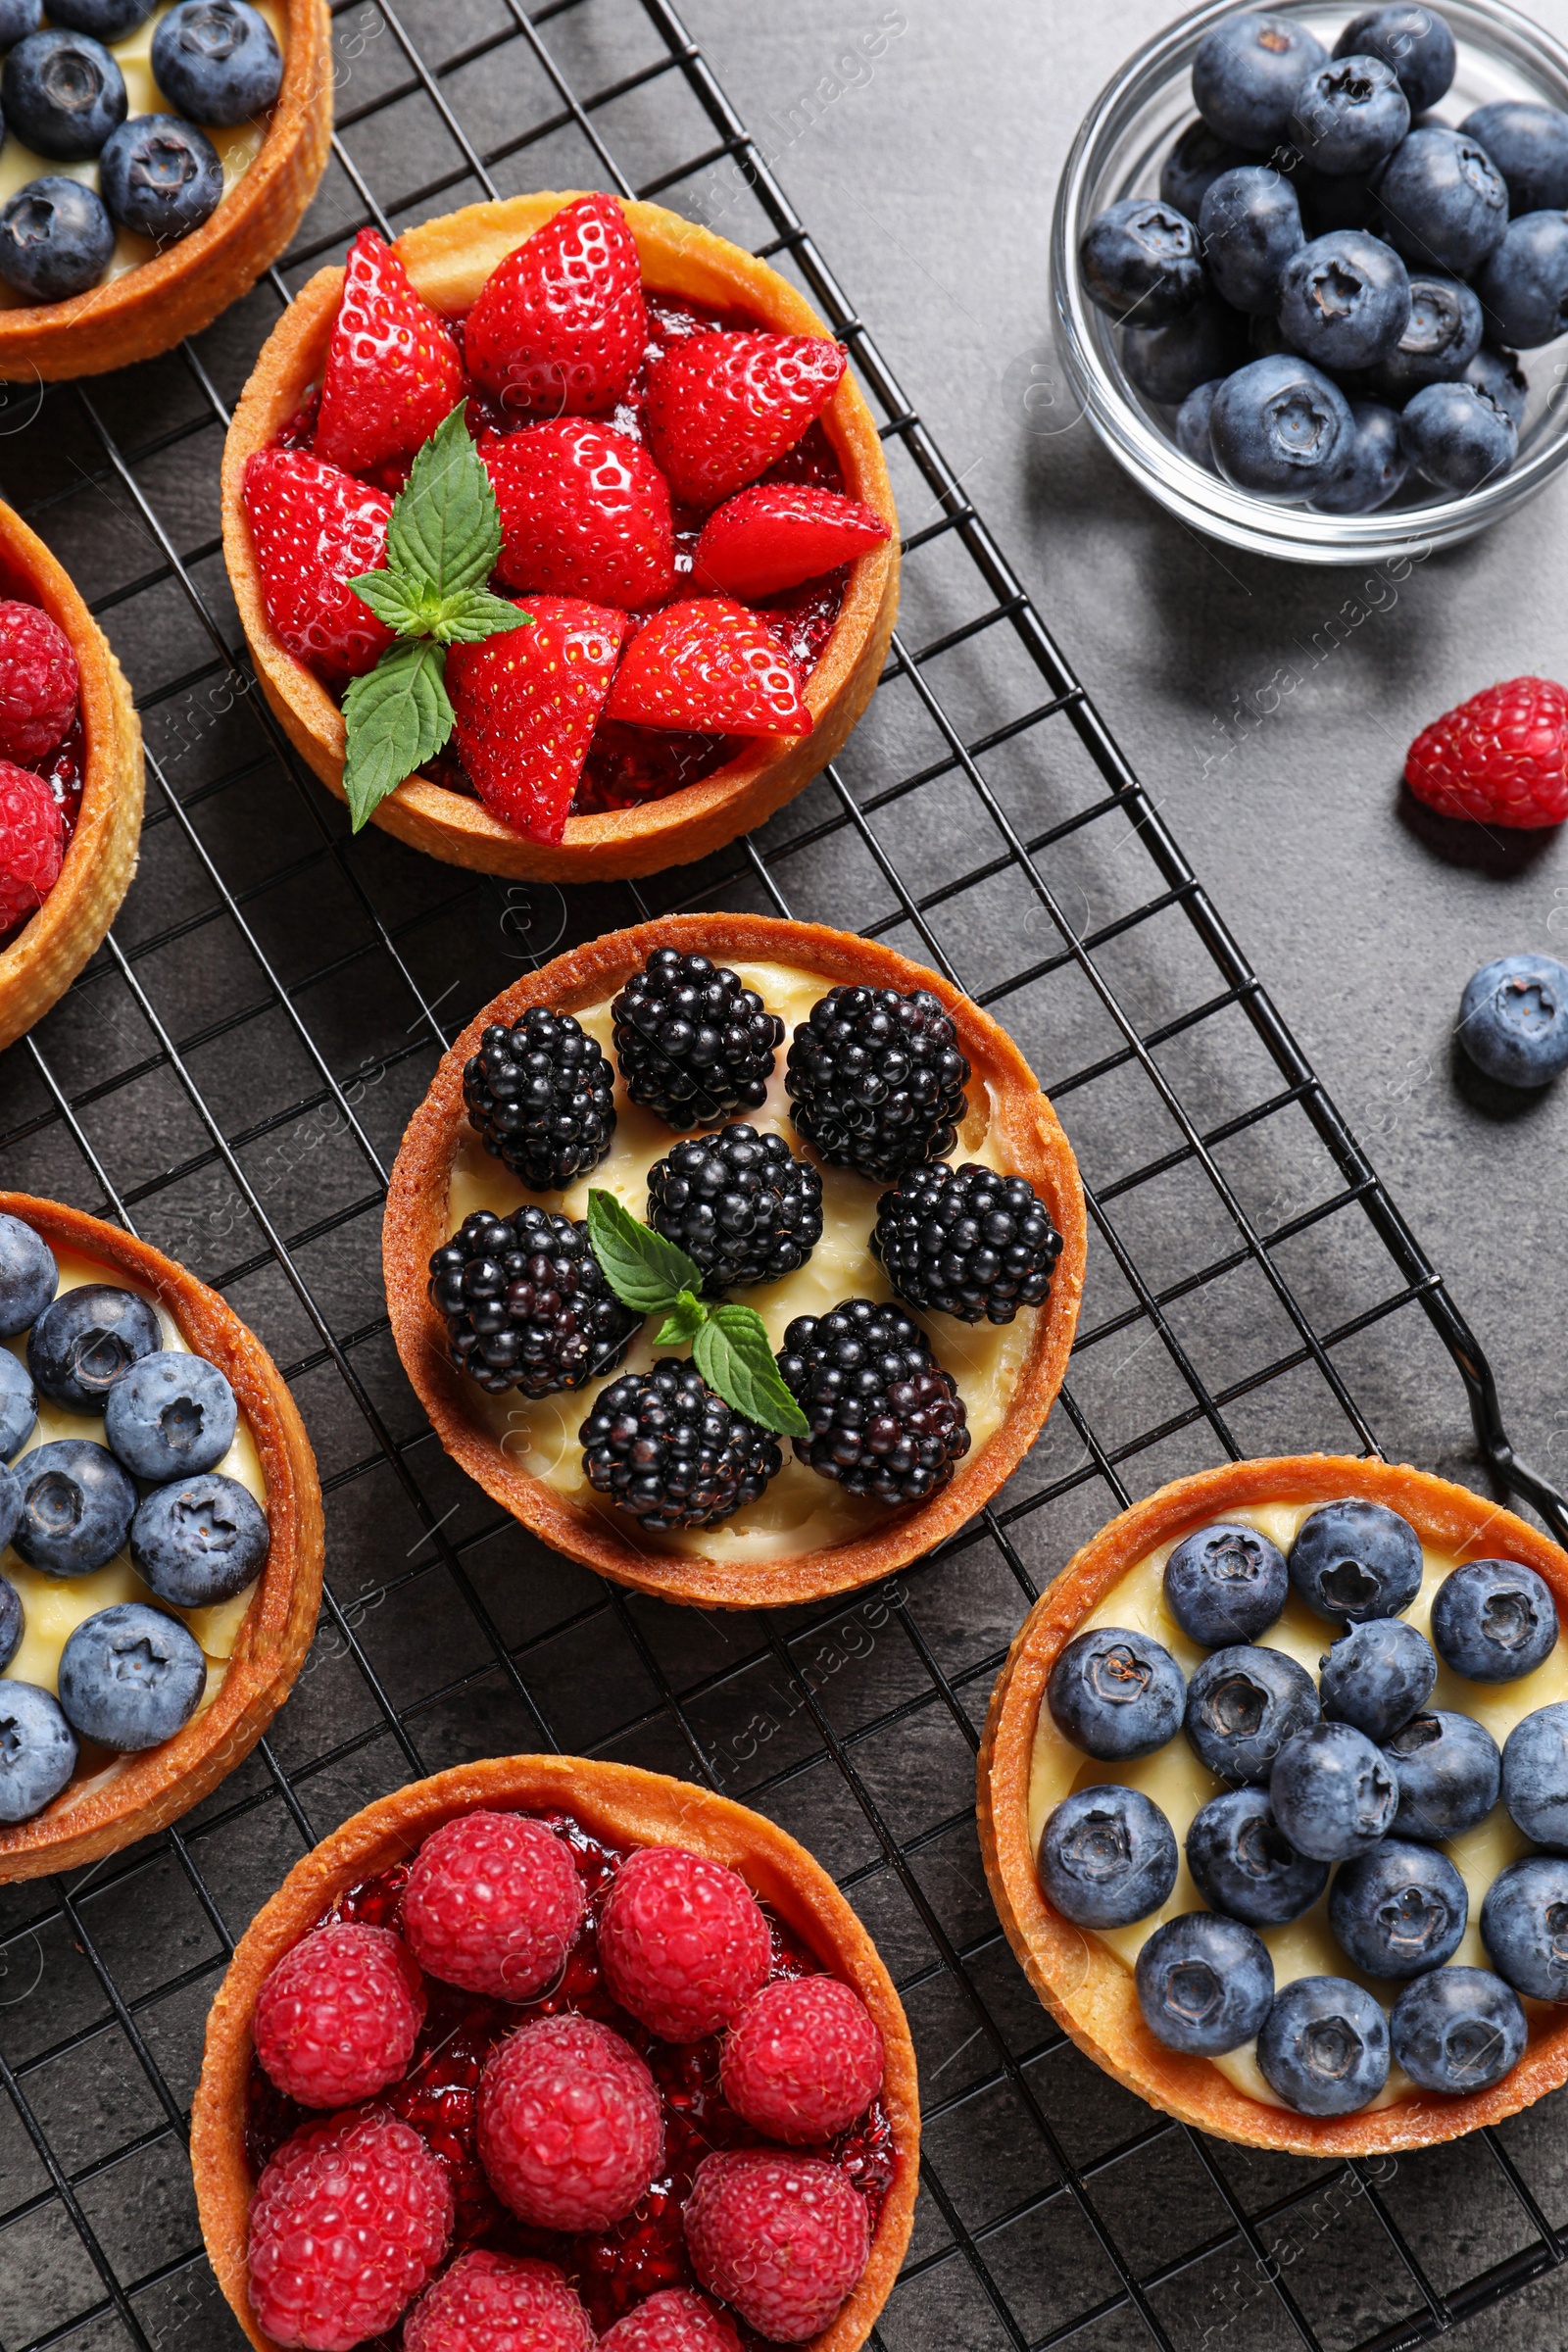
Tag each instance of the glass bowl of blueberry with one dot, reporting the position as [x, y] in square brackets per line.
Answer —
[1311, 272]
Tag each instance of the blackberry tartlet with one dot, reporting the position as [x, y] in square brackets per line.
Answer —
[539, 1096]
[692, 1042]
[739, 1203]
[966, 1241]
[885, 1419]
[876, 1080]
[525, 1305]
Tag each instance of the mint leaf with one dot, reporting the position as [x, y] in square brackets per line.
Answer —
[646, 1272]
[683, 1322]
[397, 717]
[733, 1354]
[399, 604]
[444, 532]
[473, 614]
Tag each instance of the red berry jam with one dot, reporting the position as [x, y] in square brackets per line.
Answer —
[65, 771]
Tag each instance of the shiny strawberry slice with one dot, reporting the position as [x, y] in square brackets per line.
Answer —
[722, 407]
[711, 664]
[560, 325]
[314, 530]
[392, 369]
[778, 534]
[585, 513]
[527, 704]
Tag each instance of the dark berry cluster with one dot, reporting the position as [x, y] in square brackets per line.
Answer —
[664, 1447]
[525, 1304]
[966, 1241]
[886, 1420]
[693, 1043]
[739, 1203]
[539, 1097]
[877, 1079]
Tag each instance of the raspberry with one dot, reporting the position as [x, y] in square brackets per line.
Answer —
[784, 2238]
[676, 2321]
[493, 1904]
[339, 2015]
[570, 2126]
[348, 2221]
[498, 2303]
[803, 2059]
[32, 842]
[682, 1941]
[40, 682]
[1500, 759]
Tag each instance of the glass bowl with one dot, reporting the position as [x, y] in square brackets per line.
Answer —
[1118, 152]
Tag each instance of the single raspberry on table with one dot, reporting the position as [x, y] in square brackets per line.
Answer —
[314, 530]
[32, 843]
[777, 534]
[570, 2128]
[339, 2015]
[392, 372]
[584, 512]
[40, 682]
[559, 326]
[498, 2303]
[493, 1904]
[673, 2321]
[349, 2219]
[526, 703]
[711, 664]
[803, 2059]
[1500, 759]
[683, 1941]
[783, 2238]
[722, 407]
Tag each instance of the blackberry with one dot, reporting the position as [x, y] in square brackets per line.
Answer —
[539, 1097]
[692, 1043]
[886, 1420]
[974, 1243]
[739, 1203]
[525, 1304]
[662, 1446]
[877, 1079]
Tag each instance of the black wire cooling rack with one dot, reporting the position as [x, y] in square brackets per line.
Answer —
[231, 1078]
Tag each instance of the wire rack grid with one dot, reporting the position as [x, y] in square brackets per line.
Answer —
[230, 1077]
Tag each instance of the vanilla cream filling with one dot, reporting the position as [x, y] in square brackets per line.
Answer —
[237, 148]
[801, 1512]
[1176, 1782]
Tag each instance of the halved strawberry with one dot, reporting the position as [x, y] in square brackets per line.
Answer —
[560, 325]
[721, 407]
[774, 536]
[526, 704]
[711, 664]
[392, 369]
[314, 530]
[585, 513]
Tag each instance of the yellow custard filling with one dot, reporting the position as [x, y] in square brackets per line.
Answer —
[801, 1512]
[1175, 1780]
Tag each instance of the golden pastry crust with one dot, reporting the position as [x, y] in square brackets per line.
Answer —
[148, 309]
[1081, 1981]
[418, 1222]
[449, 259]
[50, 950]
[132, 1795]
[623, 1806]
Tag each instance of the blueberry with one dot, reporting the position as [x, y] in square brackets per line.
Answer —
[1324, 2046]
[1441, 338]
[1356, 1559]
[1458, 437]
[171, 1414]
[130, 1677]
[81, 1344]
[1166, 362]
[76, 1507]
[1448, 1772]
[1108, 1856]
[1225, 1584]
[29, 1276]
[1246, 72]
[1377, 1676]
[1399, 1910]
[1370, 471]
[56, 238]
[1194, 165]
[1141, 260]
[1494, 1620]
[1333, 1793]
[10, 1500]
[1499, 376]
[1457, 2029]
[19, 1405]
[19, 18]
[1523, 1926]
[199, 1540]
[1251, 225]
[161, 176]
[1243, 1864]
[1523, 284]
[62, 94]
[1204, 1984]
[1535, 1775]
[1513, 1019]
[1410, 37]
[38, 1750]
[215, 61]
[1345, 298]
[1278, 425]
[1192, 426]
[1349, 116]
[1242, 1705]
[1529, 144]
[1116, 1694]
[105, 20]
[1441, 202]
[13, 1622]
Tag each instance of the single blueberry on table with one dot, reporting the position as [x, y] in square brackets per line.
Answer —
[1345, 298]
[13, 1622]
[1349, 116]
[1278, 425]
[62, 93]
[1370, 471]
[1333, 1793]
[1441, 338]
[19, 18]
[1195, 163]
[1116, 1694]
[1356, 1559]
[1246, 72]
[1448, 1771]
[76, 1507]
[1242, 1704]
[1523, 1926]
[1494, 1620]
[1204, 1984]
[1166, 362]
[1251, 225]
[56, 240]
[1108, 1856]
[38, 1750]
[1377, 1676]
[1225, 1584]
[1498, 374]
[81, 1345]
[1529, 144]
[1141, 261]
[1324, 2046]
[1192, 426]
[130, 1677]
[172, 1413]
[1458, 437]
[1523, 284]
[1458, 2030]
[29, 1276]
[1413, 39]
[1243, 1865]
[105, 20]
[1513, 1019]
[19, 1405]
[1399, 1910]
[1441, 201]
[199, 1540]
[1535, 1775]
[161, 176]
[215, 61]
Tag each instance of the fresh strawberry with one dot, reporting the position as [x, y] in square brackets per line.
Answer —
[392, 369]
[526, 706]
[774, 536]
[1500, 759]
[585, 513]
[722, 407]
[314, 530]
[710, 663]
[560, 325]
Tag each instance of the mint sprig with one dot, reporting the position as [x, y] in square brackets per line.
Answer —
[729, 1344]
[442, 544]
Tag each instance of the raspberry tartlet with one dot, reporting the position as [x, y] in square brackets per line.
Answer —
[562, 1401]
[1388, 1769]
[552, 2162]
[695, 510]
[62, 1370]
